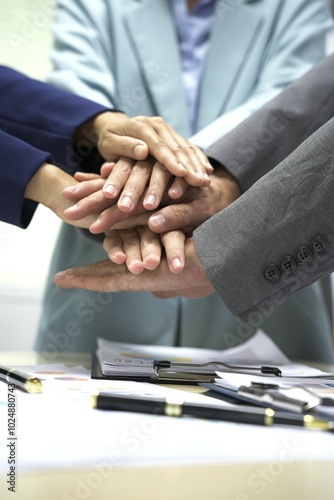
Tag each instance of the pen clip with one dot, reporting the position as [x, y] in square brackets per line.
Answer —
[274, 399]
[264, 385]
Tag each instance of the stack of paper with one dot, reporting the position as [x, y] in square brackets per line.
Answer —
[255, 373]
[163, 363]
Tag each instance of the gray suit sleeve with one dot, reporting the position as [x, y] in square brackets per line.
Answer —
[277, 237]
[262, 141]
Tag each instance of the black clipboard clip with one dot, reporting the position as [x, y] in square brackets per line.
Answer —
[170, 369]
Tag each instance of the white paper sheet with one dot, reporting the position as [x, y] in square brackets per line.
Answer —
[124, 358]
[58, 429]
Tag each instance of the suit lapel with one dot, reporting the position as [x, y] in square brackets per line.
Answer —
[231, 42]
[157, 49]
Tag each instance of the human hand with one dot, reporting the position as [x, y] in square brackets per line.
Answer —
[139, 248]
[47, 186]
[89, 196]
[195, 207]
[115, 134]
[106, 276]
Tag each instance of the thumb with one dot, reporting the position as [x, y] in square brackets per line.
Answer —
[114, 146]
[172, 217]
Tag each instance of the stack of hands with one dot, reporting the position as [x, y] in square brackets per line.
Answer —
[153, 190]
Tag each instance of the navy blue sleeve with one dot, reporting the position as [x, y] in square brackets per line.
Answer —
[37, 123]
[44, 116]
[19, 162]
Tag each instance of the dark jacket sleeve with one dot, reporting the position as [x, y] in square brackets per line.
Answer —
[262, 141]
[19, 162]
[37, 123]
[278, 236]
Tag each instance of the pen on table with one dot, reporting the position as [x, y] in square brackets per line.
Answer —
[257, 416]
[22, 380]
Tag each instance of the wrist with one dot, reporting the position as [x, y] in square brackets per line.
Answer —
[47, 185]
[230, 181]
[92, 129]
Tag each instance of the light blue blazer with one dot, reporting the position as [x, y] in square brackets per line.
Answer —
[124, 53]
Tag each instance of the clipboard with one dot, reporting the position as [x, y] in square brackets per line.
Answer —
[181, 373]
[170, 378]
[184, 365]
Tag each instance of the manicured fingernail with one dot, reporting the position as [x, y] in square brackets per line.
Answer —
[117, 257]
[136, 266]
[176, 192]
[182, 168]
[95, 224]
[71, 210]
[110, 188]
[159, 221]
[151, 261]
[139, 150]
[136, 262]
[63, 275]
[72, 189]
[151, 257]
[127, 202]
[176, 263]
[151, 200]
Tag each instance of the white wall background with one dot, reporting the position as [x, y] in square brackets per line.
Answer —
[24, 254]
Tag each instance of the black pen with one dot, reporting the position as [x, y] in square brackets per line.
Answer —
[246, 415]
[22, 380]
